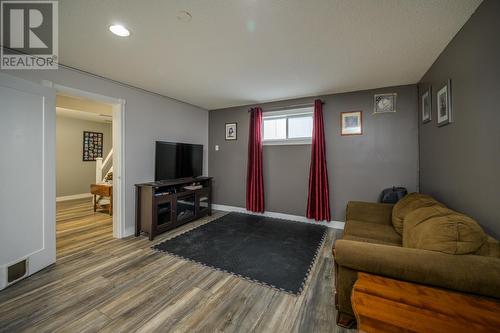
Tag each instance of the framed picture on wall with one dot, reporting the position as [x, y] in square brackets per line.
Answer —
[231, 131]
[443, 101]
[351, 123]
[426, 105]
[92, 145]
[384, 103]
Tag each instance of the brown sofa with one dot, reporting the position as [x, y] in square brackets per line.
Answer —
[417, 240]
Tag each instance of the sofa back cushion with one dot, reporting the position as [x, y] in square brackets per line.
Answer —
[408, 204]
[438, 228]
[490, 248]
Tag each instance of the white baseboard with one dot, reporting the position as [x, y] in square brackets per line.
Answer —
[332, 224]
[74, 197]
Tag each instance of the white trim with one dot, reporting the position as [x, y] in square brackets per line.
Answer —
[118, 168]
[332, 224]
[110, 154]
[74, 197]
[289, 112]
[304, 141]
[98, 169]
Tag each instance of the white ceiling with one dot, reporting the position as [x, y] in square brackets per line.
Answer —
[250, 51]
[83, 115]
[83, 108]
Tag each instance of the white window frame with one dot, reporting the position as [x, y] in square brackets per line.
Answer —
[286, 114]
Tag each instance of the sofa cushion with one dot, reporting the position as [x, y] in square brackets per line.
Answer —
[371, 233]
[408, 204]
[370, 240]
[369, 212]
[438, 228]
[490, 248]
[467, 273]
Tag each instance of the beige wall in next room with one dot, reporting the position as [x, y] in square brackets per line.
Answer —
[73, 175]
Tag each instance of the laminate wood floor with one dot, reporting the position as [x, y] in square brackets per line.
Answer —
[103, 284]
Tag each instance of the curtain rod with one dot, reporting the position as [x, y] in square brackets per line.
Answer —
[276, 108]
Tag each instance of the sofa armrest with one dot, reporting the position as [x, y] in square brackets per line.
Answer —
[466, 273]
[369, 212]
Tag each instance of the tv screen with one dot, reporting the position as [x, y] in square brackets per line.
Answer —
[178, 160]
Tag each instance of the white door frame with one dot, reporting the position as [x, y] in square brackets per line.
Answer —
[118, 124]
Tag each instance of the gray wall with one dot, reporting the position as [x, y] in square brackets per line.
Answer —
[460, 162]
[73, 175]
[359, 167]
[148, 117]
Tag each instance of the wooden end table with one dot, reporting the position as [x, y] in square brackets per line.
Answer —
[103, 190]
[387, 305]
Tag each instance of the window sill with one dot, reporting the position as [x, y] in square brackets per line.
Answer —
[287, 142]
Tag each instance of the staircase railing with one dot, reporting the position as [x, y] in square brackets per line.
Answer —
[100, 166]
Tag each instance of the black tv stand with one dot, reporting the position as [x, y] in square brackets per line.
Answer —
[164, 205]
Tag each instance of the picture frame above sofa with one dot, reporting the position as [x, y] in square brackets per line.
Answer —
[444, 105]
[351, 123]
[384, 103]
[231, 131]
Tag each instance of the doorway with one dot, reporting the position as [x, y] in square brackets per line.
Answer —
[84, 173]
[102, 150]
[28, 237]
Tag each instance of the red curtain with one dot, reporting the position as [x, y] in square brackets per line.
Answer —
[255, 181]
[318, 201]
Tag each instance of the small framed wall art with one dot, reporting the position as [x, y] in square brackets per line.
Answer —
[92, 145]
[444, 109]
[231, 131]
[351, 123]
[426, 105]
[384, 103]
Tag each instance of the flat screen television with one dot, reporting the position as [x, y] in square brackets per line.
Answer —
[177, 160]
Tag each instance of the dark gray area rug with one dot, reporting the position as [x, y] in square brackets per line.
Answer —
[273, 252]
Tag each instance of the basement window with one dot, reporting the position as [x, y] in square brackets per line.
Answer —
[287, 127]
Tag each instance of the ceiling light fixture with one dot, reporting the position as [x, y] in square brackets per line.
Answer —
[119, 30]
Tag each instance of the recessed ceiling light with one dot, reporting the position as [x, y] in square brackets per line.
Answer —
[119, 30]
